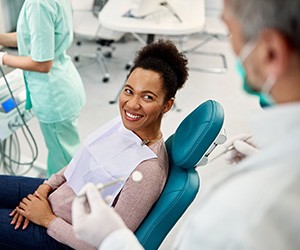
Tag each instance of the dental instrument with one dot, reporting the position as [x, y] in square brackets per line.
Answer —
[227, 150]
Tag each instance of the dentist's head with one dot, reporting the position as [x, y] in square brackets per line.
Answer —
[265, 35]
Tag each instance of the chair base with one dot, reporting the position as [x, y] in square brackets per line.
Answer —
[99, 56]
[193, 50]
[213, 70]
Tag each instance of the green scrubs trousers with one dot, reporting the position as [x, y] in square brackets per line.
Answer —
[62, 141]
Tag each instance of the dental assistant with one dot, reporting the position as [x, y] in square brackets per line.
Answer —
[257, 205]
[54, 89]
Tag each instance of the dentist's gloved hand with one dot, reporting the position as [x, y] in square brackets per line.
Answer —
[243, 147]
[93, 220]
[1, 58]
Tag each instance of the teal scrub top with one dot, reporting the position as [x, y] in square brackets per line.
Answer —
[45, 32]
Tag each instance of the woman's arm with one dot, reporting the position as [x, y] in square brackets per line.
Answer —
[8, 39]
[21, 62]
[26, 63]
[63, 232]
[137, 198]
[56, 179]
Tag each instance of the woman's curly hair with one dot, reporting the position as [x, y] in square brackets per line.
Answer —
[164, 58]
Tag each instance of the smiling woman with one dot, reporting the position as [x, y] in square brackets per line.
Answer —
[159, 70]
[131, 141]
[142, 104]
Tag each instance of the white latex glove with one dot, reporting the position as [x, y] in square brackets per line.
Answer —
[1, 58]
[93, 219]
[243, 147]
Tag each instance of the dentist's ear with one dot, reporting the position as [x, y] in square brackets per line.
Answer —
[277, 50]
[168, 105]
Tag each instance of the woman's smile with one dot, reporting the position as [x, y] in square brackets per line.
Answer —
[132, 116]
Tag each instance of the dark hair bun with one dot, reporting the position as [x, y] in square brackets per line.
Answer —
[167, 52]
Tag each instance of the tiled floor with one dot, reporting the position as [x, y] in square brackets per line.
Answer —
[224, 88]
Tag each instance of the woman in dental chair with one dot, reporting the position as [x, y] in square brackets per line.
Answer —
[36, 213]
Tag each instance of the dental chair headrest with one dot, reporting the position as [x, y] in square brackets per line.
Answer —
[192, 139]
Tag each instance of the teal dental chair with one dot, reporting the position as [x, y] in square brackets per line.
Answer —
[196, 136]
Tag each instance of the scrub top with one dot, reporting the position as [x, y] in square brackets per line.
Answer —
[45, 32]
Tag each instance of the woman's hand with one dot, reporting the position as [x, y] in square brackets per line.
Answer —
[36, 208]
[18, 220]
[44, 190]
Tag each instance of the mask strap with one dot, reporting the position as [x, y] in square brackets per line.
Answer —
[247, 50]
[266, 88]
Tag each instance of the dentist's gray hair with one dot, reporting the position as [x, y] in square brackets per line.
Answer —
[256, 15]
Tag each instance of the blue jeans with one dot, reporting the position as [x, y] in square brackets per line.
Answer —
[12, 190]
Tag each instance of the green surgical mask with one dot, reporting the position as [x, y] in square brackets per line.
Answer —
[265, 99]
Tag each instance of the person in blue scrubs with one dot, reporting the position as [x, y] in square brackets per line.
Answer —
[55, 91]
